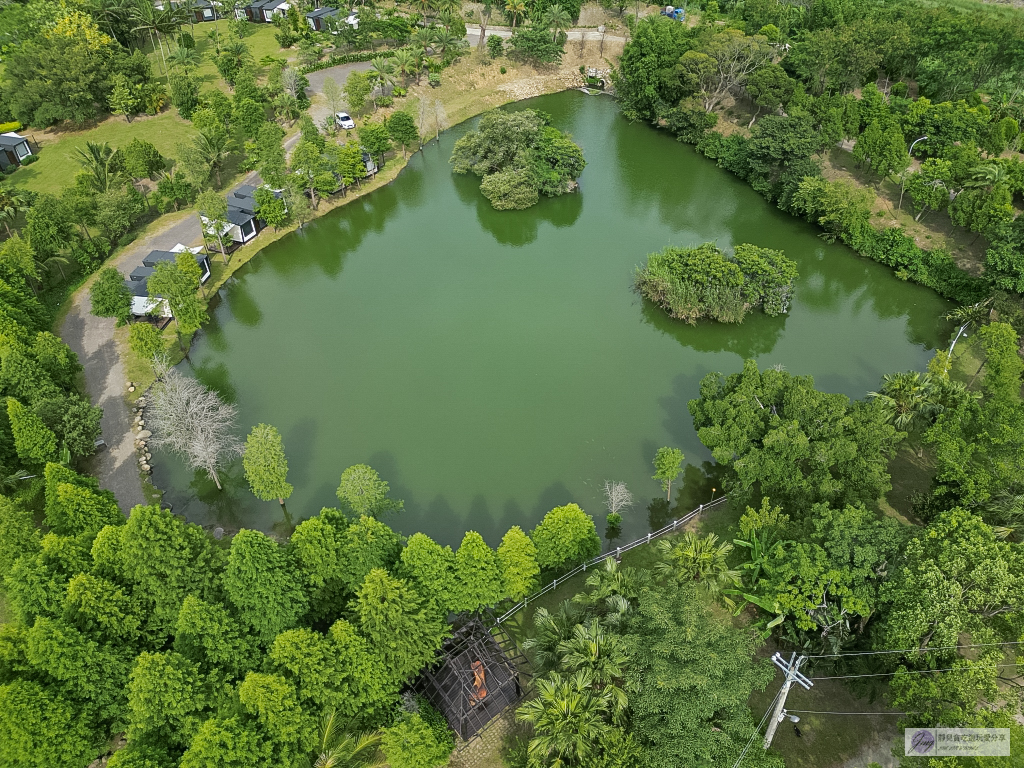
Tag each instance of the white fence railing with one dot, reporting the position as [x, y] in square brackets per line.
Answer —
[616, 553]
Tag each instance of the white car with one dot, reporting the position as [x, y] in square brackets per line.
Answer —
[344, 121]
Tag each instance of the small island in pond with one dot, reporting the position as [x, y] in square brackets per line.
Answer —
[519, 157]
[703, 281]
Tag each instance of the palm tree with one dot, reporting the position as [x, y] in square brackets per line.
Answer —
[701, 559]
[148, 19]
[215, 148]
[570, 722]
[423, 38]
[988, 175]
[551, 631]
[383, 71]
[598, 652]
[425, 5]
[113, 16]
[444, 40]
[905, 399]
[404, 62]
[183, 57]
[558, 19]
[11, 204]
[612, 580]
[50, 263]
[286, 107]
[336, 749]
[515, 9]
[99, 160]
[239, 51]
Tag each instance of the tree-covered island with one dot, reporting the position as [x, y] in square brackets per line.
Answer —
[703, 281]
[519, 156]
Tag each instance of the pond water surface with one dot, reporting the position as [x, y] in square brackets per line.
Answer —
[494, 364]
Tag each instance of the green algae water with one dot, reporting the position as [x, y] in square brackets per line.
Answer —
[494, 364]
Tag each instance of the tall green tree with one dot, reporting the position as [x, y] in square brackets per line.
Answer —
[110, 296]
[34, 442]
[266, 467]
[668, 463]
[431, 569]
[261, 582]
[517, 561]
[477, 577]
[364, 492]
[689, 700]
[799, 445]
[566, 536]
[411, 743]
[395, 619]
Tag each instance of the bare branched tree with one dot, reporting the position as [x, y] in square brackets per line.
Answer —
[617, 497]
[193, 422]
[290, 81]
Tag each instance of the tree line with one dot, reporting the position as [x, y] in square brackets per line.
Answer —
[798, 69]
[212, 653]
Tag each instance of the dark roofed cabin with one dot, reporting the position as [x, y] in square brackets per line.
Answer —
[315, 19]
[155, 257]
[205, 10]
[13, 149]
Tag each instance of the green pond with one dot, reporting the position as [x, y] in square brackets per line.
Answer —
[493, 364]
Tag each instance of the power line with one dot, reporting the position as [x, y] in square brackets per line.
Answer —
[757, 730]
[918, 671]
[912, 650]
[816, 712]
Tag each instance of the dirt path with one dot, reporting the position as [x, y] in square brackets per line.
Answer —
[92, 339]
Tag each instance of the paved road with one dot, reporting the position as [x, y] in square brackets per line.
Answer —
[319, 110]
[92, 339]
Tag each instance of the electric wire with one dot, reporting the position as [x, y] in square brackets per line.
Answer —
[912, 650]
[816, 712]
[757, 730]
[917, 671]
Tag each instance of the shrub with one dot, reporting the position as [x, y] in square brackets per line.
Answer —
[503, 70]
[29, 159]
[438, 725]
[385, 101]
[434, 79]
[12, 126]
[566, 536]
[613, 520]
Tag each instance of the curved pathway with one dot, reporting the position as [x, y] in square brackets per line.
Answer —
[92, 339]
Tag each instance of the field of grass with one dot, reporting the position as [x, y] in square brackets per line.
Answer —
[56, 167]
[259, 38]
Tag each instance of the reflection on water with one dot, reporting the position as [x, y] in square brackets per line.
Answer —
[495, 364]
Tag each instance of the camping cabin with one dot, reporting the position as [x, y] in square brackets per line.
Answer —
[142, 304]
[315, 19]
[13, 149]
[155, 257]
[204, 10]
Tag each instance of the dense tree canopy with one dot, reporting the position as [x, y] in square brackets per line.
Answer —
[518, 156]
[690, 283]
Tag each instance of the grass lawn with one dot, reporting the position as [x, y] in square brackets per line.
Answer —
[259, 38]
[831, 740]
[56, 167]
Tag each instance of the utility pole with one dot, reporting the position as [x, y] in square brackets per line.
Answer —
[792, 670]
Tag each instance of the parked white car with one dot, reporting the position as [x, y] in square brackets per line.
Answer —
[344, 120]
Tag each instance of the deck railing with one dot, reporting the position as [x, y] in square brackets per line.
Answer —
[616, 553]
